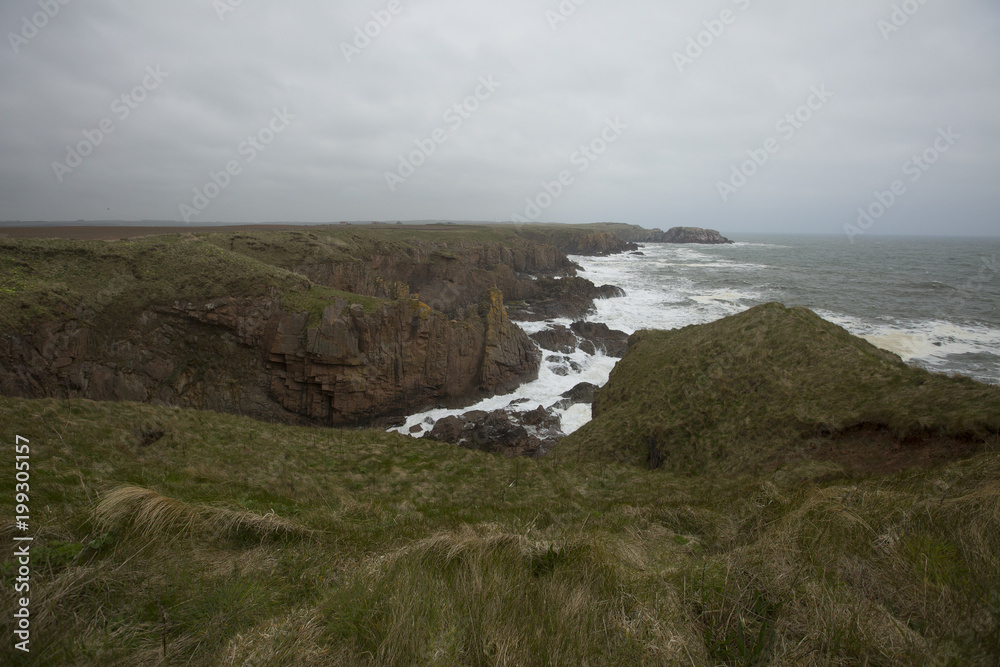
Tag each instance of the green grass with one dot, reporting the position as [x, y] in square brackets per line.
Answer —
[767, 386]
[170, 536]
[107, 283]
[240, 542]
[103, 284]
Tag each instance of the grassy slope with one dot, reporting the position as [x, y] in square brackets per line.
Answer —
[760, 387]
[112, 282]
[563, 234]
[241, 542]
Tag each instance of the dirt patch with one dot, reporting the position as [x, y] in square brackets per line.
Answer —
[874, 449]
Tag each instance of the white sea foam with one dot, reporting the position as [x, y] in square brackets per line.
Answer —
[545, 391]
[932, 343]
[671, 286]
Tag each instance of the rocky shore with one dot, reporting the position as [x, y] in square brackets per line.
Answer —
[320, 326]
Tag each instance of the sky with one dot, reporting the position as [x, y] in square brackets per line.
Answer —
[848, 117]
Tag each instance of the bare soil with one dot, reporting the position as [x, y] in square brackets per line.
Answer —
[874, 449]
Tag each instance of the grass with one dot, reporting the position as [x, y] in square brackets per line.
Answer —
[770, 385]
[105, 283]
[167, 536]
[228, 542]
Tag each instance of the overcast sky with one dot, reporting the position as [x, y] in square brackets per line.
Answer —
[741, 115]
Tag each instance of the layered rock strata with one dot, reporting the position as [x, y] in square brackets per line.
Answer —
[246, 356]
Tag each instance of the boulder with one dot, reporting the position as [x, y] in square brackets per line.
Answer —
[505, 432]
[557, 339]
[612, 342]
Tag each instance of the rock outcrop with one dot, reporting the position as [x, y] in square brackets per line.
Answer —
[319, 326]
[597, 245]
[570, 297]
[447, 277]
[505, 432]
[693, 235]
[246, 356]
[598, 336]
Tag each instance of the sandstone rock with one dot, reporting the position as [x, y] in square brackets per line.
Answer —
[581, 393]
[556, 339]
[508, 433]
[596, 244]
[569, 297]
[609, 292]
[612, 342]
[693, 235]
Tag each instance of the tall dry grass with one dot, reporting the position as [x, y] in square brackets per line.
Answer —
[147, 515]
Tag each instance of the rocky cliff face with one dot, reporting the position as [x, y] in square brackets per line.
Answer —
[446, 278]
[245, 356]
[597, 244]
[693, 235]
[248, 337]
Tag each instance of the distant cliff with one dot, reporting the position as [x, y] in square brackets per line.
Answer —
[323, 326]
[692, 235]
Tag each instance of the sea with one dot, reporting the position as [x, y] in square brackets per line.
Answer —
[933, 301]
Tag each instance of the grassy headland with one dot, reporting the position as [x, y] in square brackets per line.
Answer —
[771, 385]
[234, 542]
[168, 536]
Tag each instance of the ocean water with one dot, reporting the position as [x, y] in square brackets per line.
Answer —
[934, 302]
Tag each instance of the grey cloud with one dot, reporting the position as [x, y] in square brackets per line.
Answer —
[687, 130]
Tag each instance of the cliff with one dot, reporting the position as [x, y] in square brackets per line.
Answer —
[215, 322]
[597, 239]
[692, 235]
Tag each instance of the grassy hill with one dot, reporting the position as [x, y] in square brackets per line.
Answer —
[772, 385]
[113, 281]
[167, 536]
